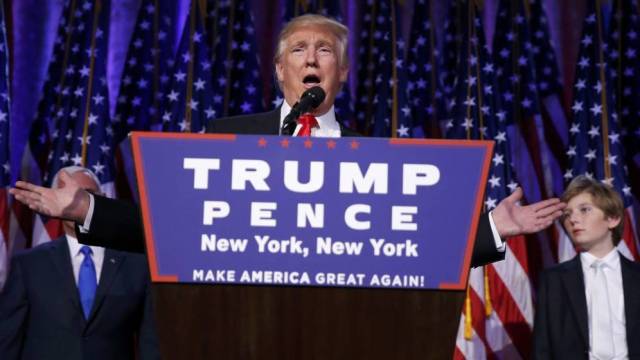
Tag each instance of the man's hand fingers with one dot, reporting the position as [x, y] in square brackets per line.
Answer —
[29, 186]
[550, 209]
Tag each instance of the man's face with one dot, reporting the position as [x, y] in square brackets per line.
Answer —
[587, 225]
[311, 58]
[85, 182]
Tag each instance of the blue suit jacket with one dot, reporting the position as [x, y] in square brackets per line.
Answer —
[41, 316]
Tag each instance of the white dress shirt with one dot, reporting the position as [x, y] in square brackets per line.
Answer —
[327, 124]
[613, 276]
[77, 257]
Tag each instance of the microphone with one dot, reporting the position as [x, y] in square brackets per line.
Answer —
[309, 100]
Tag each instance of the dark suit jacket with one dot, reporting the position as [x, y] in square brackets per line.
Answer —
[41, 316]
[116, 224]
[561, 323]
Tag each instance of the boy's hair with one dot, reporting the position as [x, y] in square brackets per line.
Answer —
[604, 197]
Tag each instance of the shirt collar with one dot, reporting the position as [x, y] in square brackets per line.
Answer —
[612, 260]
[326, 122]
[74, 247]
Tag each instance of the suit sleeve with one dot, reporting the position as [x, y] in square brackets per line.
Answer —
[148, 344]
[14, 308]
[115, 224]
[541, 341]
[484, 249]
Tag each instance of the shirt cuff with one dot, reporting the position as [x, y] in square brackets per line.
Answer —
[501, 246]
[84, 228]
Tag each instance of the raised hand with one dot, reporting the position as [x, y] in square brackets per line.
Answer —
[512, 219]
[68, 202]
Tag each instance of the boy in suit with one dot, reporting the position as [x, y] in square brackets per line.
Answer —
[589, 307]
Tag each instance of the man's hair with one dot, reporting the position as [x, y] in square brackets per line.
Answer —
[604, 197]
[340, 31]
[72, 170]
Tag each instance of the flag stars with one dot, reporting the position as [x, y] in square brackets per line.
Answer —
[614, 137]
[193, 104]
[468, 123]
[577, 106]
[596, 109]
[571, 151]
[594, 131]
[93, 119]
[77, 160]
[403, 131]
[179, 76]
[584, 62]
[498, 159]
[586, 41]
[500, 137]
[142, 84]
[199, 84]
[98, 168]
[575, 128]
[494, 181]
[105, 148]
[186, 57]
[490, 203]
[173, 95]
[590, 155]
[97, 99]
[612, 159]
[210, 113]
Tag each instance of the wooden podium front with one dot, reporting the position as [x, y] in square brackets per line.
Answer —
[266, 322]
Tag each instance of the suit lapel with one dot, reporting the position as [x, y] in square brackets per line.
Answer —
[59, 254]
[630, 281]
[110, 266]
[573, 281]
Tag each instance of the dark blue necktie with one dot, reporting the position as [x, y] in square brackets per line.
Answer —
[87, 281]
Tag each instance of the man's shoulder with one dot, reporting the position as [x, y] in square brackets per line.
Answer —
[37, 252]
[265, 123]
[563, 266]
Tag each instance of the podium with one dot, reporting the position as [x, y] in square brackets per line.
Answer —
[266, 322]
[263, 247]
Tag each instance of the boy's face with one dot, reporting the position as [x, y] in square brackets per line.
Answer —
[587, 225]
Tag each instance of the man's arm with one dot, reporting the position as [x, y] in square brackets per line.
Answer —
[115, 224]
[511, 219]
[14, 308]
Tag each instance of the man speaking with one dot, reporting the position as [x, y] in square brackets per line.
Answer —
[311, 65]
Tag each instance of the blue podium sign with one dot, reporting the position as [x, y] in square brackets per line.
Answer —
[347, 212]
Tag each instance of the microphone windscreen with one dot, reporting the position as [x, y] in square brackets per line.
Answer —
[316, 94]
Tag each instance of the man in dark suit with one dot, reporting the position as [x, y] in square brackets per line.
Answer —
[311, 51]
[63, 300]
[589, 307]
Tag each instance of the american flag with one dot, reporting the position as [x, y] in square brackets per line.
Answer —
[5, 170]
[424, 93]
[146, 70]
[595, 146]
[498, 314]
[382, 106]
[624, 39]
[73, 114]
[237, 86]
[343, 103]
[189, 101]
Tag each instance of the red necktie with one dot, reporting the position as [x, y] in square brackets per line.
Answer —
[308, 122]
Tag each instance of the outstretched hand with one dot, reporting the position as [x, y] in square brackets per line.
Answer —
[512, 219]
[68, 202]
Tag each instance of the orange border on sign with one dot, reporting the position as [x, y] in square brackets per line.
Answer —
[144, 200]
[488, 146]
